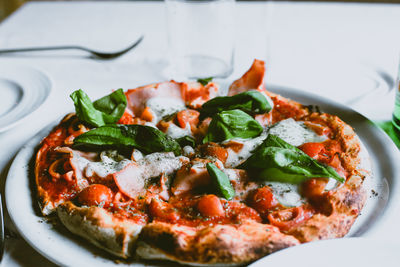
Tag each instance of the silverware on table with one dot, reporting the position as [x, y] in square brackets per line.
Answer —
[98, 54]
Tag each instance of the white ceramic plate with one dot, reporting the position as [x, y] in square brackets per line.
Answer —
[23, 90]
[63, 248]
[337, 252]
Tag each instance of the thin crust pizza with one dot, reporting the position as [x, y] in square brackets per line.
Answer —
[175, 171]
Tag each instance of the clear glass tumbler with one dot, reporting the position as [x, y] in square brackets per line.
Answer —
[396, 111]
[201, 38]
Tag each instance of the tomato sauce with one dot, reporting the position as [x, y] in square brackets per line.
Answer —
[188, 214]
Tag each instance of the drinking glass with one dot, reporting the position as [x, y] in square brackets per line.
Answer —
[392, 128]
[396, 111]
[200, 38]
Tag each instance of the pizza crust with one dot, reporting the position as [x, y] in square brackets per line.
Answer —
[212, 245]
[346, 202]
[101, 228]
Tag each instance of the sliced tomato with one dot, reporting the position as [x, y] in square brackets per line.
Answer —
[147, 114]
[289, 218]
[312, 149]
[214, 150]
[96, 195]
[210, 206]
[314, 188]
[126, 118]
[163, 211]
[186, 116]
[263, 199]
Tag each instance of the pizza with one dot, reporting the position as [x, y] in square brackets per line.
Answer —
[175, 171]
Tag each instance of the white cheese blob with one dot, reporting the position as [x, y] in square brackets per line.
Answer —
[287, 194]
[110, 162]
[164, 106]
[188, 151]
[136, 155]
[236, 158]
[295, 133]
[151, 165]
[175, 131]
[160, 162]
[232, 174]
[332, 183]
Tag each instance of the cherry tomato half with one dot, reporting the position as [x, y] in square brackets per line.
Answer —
[312, 149]
[210, 206]
[288, 218]
[262, 200]
[96, 195]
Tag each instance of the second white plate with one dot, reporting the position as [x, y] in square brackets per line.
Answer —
[339, 252]
[23, 90]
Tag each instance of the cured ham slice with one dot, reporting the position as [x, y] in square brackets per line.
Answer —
[134, 177]
[130, 180]
[138, 97]
[197, 94]
[253, 79]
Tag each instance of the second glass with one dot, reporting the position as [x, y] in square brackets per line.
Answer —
[201, 38]
[396, 111]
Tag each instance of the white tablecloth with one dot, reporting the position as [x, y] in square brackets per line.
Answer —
[322, 48]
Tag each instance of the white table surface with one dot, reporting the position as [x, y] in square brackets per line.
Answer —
[318, 48]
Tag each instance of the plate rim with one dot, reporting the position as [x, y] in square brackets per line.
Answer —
[31, 147]
[46, 89]
[327, 243]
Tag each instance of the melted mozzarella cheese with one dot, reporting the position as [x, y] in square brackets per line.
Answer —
[157, 163]
[295, 132]
[177, 132]
[188, 151]
[287, 194]
[332, 183]
[109, 163]
[236, 158]
[136, 155]
[151, 165]
[164, 106]
[232, 174]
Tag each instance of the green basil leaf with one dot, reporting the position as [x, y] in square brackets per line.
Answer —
[113, 105]
[252, 102]
[145, 138]
[107, 110]
[186, 141]
[275, 141]
[231, 124]
[276, 160]
[220, 181]
[205, 81]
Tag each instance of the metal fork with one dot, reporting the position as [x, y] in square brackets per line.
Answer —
[75, 47]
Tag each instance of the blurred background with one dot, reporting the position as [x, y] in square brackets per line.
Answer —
[9, 6]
